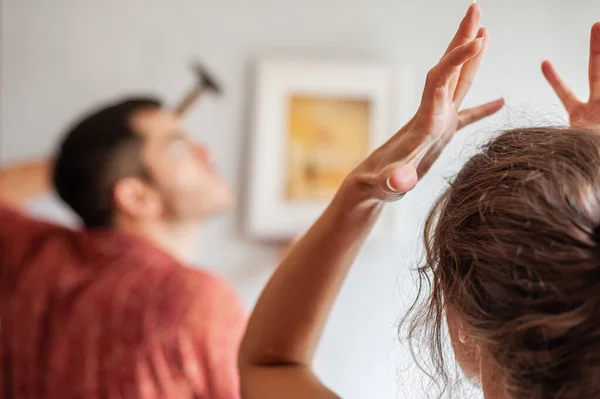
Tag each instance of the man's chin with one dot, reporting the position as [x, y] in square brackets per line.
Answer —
[224, 205]
[207, 204]
[226, 201]
[224, 209]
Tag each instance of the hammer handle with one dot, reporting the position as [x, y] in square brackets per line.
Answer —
[188, 100]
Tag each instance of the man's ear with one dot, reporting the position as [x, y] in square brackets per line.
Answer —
[137, 199]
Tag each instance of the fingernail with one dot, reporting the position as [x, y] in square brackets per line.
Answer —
[389, 185]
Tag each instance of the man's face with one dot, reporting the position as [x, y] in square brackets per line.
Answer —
[181, 170]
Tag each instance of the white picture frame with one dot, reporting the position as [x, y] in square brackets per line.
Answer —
[269, 215]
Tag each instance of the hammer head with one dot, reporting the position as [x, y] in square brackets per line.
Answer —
[205, 80]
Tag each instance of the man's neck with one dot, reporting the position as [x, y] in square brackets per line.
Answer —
[177, 239]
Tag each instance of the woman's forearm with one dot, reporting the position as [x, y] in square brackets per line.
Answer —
[292, 311]
[287, 322]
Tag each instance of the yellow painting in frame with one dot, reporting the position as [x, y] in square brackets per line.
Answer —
[327, 138]
[313, 121]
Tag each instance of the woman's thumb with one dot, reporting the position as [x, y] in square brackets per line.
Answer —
[402, 179]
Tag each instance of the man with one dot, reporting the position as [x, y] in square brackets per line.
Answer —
[110, 311]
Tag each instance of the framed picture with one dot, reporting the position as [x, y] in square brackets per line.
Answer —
[313, 123]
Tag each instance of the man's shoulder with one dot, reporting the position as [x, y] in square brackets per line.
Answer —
[163, 301]
[15, 220]
[196, 287]
[185, 299]
[156, 278]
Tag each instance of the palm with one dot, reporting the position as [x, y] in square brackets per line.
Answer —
[581, 114]
[585, 115]
[447, 123]
[448, 119]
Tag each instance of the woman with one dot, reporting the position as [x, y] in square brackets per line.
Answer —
[513, 247]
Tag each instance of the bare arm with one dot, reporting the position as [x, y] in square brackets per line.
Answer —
[298, 299]
[22, 182]
[285, 327]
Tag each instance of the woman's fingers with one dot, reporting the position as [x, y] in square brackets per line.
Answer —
[465, 118]
[595, 63]
[469, 70]
[465, 33]
[467, 29]
[472, 115]
[562, 90]
[435, 96]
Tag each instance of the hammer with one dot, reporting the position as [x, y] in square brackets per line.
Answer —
[205, 83]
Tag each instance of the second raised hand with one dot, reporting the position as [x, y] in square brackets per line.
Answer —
[395, 167]
[581, 114]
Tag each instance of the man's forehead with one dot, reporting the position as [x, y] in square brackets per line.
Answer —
[156, 123]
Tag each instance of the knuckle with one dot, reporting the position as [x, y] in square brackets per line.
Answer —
[467, 119]
[431, 75]
[439, 93]
[466, 82]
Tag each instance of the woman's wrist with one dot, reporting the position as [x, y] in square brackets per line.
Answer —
[354, 203]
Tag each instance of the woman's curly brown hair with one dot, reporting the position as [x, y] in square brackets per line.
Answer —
[513, 246]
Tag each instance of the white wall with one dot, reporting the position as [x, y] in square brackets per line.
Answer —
[59, 57]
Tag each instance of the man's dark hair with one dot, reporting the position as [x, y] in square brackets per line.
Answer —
[95, 154]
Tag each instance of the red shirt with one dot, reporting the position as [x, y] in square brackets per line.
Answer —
[95, 314]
